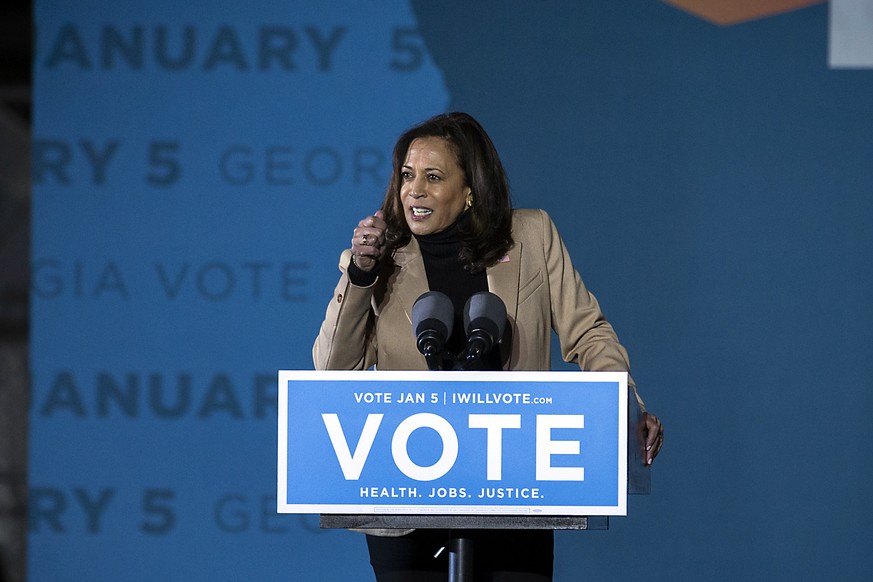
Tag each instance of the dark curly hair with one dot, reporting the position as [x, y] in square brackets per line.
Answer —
[487, 235]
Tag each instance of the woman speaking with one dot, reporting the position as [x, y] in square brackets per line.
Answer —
[447, 225]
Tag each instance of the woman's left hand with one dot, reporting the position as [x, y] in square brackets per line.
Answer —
[653, 432]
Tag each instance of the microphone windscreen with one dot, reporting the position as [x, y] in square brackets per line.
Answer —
[485, 309]
[433, 311]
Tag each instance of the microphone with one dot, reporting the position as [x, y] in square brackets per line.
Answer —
[433, 317]
[484, 320]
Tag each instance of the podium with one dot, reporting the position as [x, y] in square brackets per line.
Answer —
[459, 450]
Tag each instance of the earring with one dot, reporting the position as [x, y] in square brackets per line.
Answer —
[469, 202]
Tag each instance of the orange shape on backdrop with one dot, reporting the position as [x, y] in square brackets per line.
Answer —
[727, 12]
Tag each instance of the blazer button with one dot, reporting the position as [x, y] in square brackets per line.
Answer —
[339, 298]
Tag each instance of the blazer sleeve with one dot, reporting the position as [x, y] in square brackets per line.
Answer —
[347, 339]
[586, 337]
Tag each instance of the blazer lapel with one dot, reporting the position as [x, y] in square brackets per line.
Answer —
[503, 281]
[412, 279]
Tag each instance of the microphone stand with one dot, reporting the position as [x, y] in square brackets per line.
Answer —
[460, 559]
[434, 362]
[460, 548]
[480, 339]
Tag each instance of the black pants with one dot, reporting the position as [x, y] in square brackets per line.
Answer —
[498, 555]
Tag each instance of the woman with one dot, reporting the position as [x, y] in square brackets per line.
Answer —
[446, 224]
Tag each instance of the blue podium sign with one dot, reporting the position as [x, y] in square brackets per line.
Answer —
[473, 443]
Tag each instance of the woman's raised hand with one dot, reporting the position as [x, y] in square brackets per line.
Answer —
[368, 241]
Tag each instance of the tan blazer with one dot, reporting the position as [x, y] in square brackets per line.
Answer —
[372, 326]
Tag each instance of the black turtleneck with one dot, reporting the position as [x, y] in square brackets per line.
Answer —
[446, 274]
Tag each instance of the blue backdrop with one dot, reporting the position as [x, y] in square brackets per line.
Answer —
[198, 169]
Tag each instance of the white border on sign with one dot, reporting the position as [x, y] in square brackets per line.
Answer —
[285, 376]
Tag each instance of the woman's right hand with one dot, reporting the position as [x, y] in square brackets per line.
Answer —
[368, 241]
